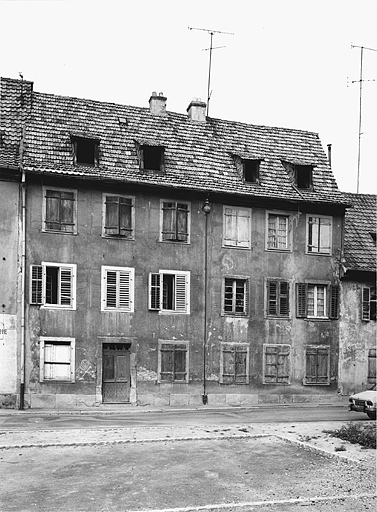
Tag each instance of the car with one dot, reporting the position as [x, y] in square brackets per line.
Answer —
[365, 401]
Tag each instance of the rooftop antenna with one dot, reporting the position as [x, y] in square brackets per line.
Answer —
[211, 32]
[362, 48]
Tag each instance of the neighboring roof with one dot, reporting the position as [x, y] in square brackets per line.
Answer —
[198, 155]
[360, 224]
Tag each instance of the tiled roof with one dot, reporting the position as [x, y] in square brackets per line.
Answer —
[198, 155]
[360, 223]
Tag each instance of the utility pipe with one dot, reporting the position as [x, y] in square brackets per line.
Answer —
[23, 261]
[207, 210]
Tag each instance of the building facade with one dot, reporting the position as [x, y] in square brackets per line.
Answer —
[169, 259]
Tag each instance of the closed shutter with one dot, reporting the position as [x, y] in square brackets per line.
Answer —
[301, 300]
[180, 357]
[111, 288]
[270, 364]
[182, 222]
[118, 289]
[169, 221]
[334, 302]
[66, 276]
[181, 293]
[230, 227]
[53, 209]
[317, 365]
[227, 353]
[67, 206]
[36, 284]
[372, 364]
[167, 362]
[284, 299]
[277, 364]
[365, 303]
[155, 294]
[112, 215]
[243, 228]
[240, 364]
[283, 364]
[124, 290]
[272, 294]
[125, 217]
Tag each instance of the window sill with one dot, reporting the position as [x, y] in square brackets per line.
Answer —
[117, 237]
[268, 249]
[116, 310]
[276, 317]
[235, 315]
[317, 319]
[236, 247]
[57, 232]
[318, 253]
[181, 242]
[56, 307]
[316, 384]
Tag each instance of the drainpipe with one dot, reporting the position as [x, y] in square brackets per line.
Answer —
[207, 210]
[23, 259]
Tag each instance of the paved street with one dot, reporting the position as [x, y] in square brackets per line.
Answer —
[263, 459]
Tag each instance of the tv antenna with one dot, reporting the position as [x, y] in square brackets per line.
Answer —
[211, 32]
[362, 48]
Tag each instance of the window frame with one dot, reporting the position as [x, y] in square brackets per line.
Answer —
[156, 292]
[316, 351]
[45, 340]
[226, 347]
[131, 288]
[279, 296]
[44, 211]
[132, 217]
[38, 286]
[278, 215]
[75, 140]
[320, 251]
[236, 242]
[332, 300]
[188, 222]
[279, 349]
[180, 343]
[246, 296]
[367, 292]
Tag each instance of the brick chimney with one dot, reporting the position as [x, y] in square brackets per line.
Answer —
[157, 104]
[197, 110]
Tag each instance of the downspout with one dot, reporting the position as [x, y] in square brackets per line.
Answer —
[23, 260]
[207, 210]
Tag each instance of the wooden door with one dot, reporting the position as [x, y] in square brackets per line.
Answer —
[116, 374]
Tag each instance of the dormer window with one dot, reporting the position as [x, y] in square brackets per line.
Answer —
[304, 176]
[152, 158]
[251, 170]
[85, 151]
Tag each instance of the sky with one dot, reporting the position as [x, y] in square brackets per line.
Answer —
[284, 63]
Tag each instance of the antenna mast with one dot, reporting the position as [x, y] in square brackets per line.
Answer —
[211, 32]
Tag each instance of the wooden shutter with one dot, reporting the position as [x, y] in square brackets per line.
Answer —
[67, 208]
[317, 365]
[283, 364]
[53, 209]
[243, 228]
[228, 362]
[112, 215]
[230, 227]
[181, 293]
[111, 288]
[284, 298]
[182, 222]
[270, 364]
[180, 359]
[167, 362]
[301, 300]
[372, 364]
[125, 299]
[365, 311]
[240, 364]
[36, 284]
[272, 296]
[155, 294]
[334, 302]
[277, 364]
[65, 288]
[125, 217]
[169, 221]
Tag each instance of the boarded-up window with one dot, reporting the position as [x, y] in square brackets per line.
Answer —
[319, 234]
[117, 289]
[60, 210]
[169, 291]
[118, 217]
[369, 301]
[173, 362]
[317, 301]
[317, 365]
[175, 221]
[278, 226]
[234, 363]
[236, 296]
[57, 359]
[372, 364]
[53, 285]
[277, 364]
[237, 227]
[277, 298]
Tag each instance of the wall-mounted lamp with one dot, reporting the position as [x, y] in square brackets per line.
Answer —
[206, 207]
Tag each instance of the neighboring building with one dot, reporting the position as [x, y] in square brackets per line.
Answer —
[167, 258]
[358, 330]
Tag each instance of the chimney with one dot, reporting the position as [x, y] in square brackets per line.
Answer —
[157, 104]
[197, 110]
[329, 154]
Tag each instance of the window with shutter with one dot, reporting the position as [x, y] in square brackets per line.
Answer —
[319, 234]
[234, 363]
[276, 364]
[118, 216]
[317, 301]
[277, 298]
[57, 359]
[169, 291]
[175, 221]
[237, 227]
[59, 210]
[53, 285]
[118, 289]
[317, 367]
[173, 362]
[236, 296]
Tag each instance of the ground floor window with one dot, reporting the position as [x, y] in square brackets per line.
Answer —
[173, 361]
[57, 359]
[276, 364]
[372, 364]
[234, 363]
[317, 365]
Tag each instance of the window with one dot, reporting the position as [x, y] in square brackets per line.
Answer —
[175, 221]
[317, 301]
[57, 359]
[118, 216]
[173, 360]
[117, 289]
[372, 364]
[278, 232]
[317, 365]
[237, 227]
[169, 291]
[53, 285]
[277, 298]
[319, 234]
[251, 170]
[152, 158]
[369, 301]
[236, 296]
[59, 210]
[234, 363]
[276, 364]
[85, 151]
[304, 176]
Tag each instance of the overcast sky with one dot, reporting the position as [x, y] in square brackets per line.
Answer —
[289, 63]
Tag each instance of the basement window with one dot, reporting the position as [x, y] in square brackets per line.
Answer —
[85, 151]
[251, 171]
[152, 158]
